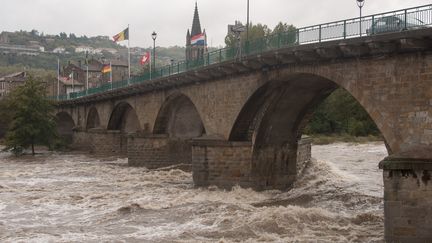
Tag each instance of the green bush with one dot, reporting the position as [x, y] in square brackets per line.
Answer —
[340, 114]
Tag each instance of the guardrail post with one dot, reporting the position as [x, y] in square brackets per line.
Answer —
[298, 37]
[208, 58]
[373, 25]
[178, 67]
[319, 38]
[220, 55]
[344, 31]
[405, 17]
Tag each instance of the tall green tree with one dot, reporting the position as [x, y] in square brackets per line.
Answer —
[256, 31]
[5, 116]
[340, 113]
[33, 122]
[283, 27]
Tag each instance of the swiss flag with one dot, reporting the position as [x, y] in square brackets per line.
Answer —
[145, 58]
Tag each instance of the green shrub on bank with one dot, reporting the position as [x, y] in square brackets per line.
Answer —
[341, 114]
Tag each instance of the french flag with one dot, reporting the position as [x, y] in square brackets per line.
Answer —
[198, 39]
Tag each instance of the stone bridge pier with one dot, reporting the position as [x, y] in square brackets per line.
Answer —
[242, 122]
[176, 124]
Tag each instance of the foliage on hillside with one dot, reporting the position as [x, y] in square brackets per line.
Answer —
[50, 42]
[35, 72]
[48, 61]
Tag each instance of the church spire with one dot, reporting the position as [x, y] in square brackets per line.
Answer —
[196, 26]
[188, 38]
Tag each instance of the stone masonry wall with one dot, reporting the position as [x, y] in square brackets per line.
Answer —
[108, 143]
[81, 140]
[221, 163]
[225, 164]
[156, 151]
[304, 154]
[408, 205]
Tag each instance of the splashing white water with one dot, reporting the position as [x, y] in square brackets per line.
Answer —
[68, 197]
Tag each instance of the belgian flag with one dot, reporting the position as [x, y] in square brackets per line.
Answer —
[124, 35]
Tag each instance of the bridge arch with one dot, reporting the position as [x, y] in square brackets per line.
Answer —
[65, 125]
[273, 119]
[124, 118]
[179, 118]
[93, 120]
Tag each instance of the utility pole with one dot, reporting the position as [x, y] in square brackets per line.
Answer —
[247, 22]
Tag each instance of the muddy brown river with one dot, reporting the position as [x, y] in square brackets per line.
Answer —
[76, 198]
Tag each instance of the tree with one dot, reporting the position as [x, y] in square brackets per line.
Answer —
[34, 32]
[340, 113]
[5, 116]
[255, 32]
[33, 122]
[283, 27]
[63, 35]
[259, 31]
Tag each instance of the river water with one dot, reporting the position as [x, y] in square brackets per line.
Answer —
[75, 198]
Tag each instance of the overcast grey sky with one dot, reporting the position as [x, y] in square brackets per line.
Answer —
[171, 18]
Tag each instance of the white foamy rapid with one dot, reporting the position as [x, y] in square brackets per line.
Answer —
[75, 198]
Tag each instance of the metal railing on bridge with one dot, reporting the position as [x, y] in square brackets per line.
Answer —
[394, 21]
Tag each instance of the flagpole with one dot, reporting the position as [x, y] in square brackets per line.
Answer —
[58, 78]
[73, 83]
[87, 75]
[205, 49]
[151, 67]
[129, 54]
[111, 76]
[87, 80]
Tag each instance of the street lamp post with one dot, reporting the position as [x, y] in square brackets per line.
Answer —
[247, 22]
[360, 4]
[154, 36]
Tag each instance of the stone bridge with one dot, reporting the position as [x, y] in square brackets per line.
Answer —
[240, 122]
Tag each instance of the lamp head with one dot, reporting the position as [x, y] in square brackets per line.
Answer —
[154, 35]
[360, 3]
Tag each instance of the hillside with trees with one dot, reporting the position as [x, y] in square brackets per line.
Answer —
[47, 60]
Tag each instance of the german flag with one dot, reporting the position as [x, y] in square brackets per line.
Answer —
[106, 68]
[124, 35]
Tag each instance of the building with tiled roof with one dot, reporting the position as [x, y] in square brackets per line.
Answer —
[10, 82]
